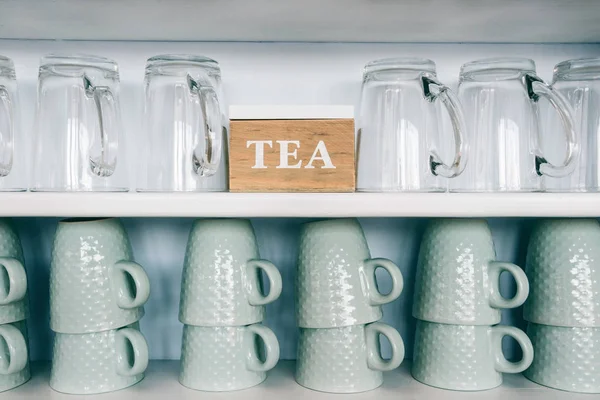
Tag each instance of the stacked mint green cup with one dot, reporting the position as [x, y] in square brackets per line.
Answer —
[97, 293]
[222, 306]
[338, 306]
[14, 310]
[563, 308]
[458, 342]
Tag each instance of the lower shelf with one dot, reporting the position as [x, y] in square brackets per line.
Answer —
[161, 383]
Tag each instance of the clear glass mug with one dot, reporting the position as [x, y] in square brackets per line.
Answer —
[185, 126]
[13, 175]
[500, 97]
[400, 127]
[578, 81]
[78, 139]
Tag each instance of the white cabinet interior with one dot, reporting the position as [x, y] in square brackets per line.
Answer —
[256, 73]
[506, 21]
[264, 73]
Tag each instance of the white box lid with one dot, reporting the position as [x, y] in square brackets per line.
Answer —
[291, 112]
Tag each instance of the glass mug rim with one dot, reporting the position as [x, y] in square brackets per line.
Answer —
[180, 64]
[400, 64]
[58, 61]
[497, 67]
[578, 69]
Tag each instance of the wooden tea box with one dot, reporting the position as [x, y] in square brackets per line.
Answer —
[291, 149]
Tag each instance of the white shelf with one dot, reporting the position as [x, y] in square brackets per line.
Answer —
[531, 21]
[161, 383]
[300, 204]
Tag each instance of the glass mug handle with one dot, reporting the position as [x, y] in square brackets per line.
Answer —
[6, 137]
[536, 87]
[207, 154]
[103, 148]
[374, 359]
[501, 363]
[452, 104]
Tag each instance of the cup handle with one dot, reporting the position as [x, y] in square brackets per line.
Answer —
[374, 359]
[7, 142]
[495, 268]
[256, 298]
[375, 296]
[452, 104]
[502, 364]
[103, 149]
[140, 352]
[207, 154]
[536, 87]
[17, 280]
[271, 347]
[17, 349]
[125, 299]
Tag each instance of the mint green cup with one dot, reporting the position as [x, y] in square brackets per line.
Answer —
[563, 267]
[458, 277]
[94, 283]
[336, 284]
[218, 359]
[14, 356]
[14, 305]
[221, 282]
[347, 359]
[566, 358]
[465, 357]
[99, 362]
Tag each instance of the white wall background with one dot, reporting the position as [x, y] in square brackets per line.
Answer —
[257, 73]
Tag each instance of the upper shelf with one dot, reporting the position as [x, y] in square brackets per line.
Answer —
[499, 21]
[300, 205]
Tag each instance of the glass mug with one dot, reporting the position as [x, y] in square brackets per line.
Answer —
[185, 126]
[78, 139]
[400, 126]
[579, 82]
[500, 97]
[12, 157]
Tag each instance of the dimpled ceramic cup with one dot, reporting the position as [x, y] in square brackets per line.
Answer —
[98, 362]
[221, 282]
[94, 284]
[563, 267]
[458, 279]
[14, 356]
[336, 284]
[14, 304]
[465, 357]
[346, 360]
[218, 359]
[565, 358]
